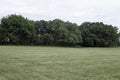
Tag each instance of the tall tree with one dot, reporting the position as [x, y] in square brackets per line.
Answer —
[17, 30]
[44, 33]
[98, 34]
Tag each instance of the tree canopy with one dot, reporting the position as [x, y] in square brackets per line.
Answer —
[17, 30]
[99, 34]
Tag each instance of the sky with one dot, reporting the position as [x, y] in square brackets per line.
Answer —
[76, 11]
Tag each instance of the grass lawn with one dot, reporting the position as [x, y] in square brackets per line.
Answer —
[59, 63]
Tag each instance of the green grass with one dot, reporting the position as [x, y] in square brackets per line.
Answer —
[57, 63]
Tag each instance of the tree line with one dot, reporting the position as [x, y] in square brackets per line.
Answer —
[17, 30]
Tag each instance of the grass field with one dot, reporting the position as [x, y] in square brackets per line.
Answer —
[57, 63]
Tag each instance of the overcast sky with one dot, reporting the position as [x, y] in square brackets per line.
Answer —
[77, 11]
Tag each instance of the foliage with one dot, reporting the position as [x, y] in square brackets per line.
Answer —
[57, 32]
[17, 30]
[99, 35]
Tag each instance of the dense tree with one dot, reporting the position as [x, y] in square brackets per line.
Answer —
[44, 33]
[119, 39]
[57, 32]
[17, 30]
[98, 34]
[74, 34]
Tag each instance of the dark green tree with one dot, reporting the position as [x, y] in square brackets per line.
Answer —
[44, 33]
[98, 35]
[16, 29]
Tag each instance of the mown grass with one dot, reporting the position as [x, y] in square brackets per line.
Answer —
[59, 63]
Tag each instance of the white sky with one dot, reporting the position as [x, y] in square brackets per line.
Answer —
[77, 11]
